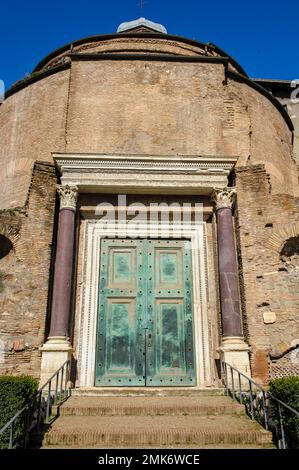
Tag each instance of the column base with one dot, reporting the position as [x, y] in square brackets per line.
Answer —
[235, 352]
[55, 351]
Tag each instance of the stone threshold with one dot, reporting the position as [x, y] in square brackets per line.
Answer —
[158, 391]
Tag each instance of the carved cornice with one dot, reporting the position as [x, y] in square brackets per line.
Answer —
[68, 195]
[224, 198]
[145, 162]
[185, 174]
[112, 45]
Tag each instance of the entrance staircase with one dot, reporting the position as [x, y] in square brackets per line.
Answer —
[134, 418]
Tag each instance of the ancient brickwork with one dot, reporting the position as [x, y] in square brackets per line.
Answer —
[145, 108]
[150, 107]
[271, 293]
[269, 144]
[24, 275]
[32, 125]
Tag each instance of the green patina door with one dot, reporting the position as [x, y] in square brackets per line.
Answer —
[144, 333]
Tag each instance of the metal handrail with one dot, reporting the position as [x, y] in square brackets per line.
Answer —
[42, 404]
[254, 411]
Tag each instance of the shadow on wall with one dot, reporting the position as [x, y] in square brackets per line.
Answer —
[289, 256]
[5, 246]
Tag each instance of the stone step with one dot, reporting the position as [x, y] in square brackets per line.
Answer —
[149, 406]
[131, 431]
[171, 446]
[146, 391]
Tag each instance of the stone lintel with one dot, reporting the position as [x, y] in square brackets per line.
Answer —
[188, 174]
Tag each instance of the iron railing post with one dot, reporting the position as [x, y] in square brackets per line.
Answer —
[61, 383]
[225, 377]
[240, 388]
[10, 445]
[66, 379]
[26, 438]
[281, 427]
[56, 389]
[233, 382]
[48, 402]
[265, 410]
[251, 400]
[39, 401]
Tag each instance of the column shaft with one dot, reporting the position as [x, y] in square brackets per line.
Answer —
[58, 349]
[63, 272]
[233, 349]
[228, 274]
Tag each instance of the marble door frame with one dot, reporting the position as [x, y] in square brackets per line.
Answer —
[88, 307]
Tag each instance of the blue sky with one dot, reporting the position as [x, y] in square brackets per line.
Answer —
[263, 36]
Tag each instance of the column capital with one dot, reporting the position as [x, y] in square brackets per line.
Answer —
[68, 195]
[224, 198]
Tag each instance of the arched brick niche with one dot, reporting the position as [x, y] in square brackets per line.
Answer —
[281, 236]
[5, 246]
[289, 256]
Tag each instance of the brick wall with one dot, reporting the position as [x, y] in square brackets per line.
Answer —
[24, 274]
[32, 125]
[271, 295]
[159, 108]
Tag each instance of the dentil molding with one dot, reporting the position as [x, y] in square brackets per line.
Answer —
[176, 174]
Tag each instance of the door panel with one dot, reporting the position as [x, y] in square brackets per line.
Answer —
[120, 332]
[168, 267]
[120, 336]
[122, 272]
[170, 335]
[169, 354]
[145, 332]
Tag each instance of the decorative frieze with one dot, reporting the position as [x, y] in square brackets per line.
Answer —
[224, 198]
[68, 196]
[172, 173]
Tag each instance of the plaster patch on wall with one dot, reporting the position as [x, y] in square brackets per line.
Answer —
[269, 317]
